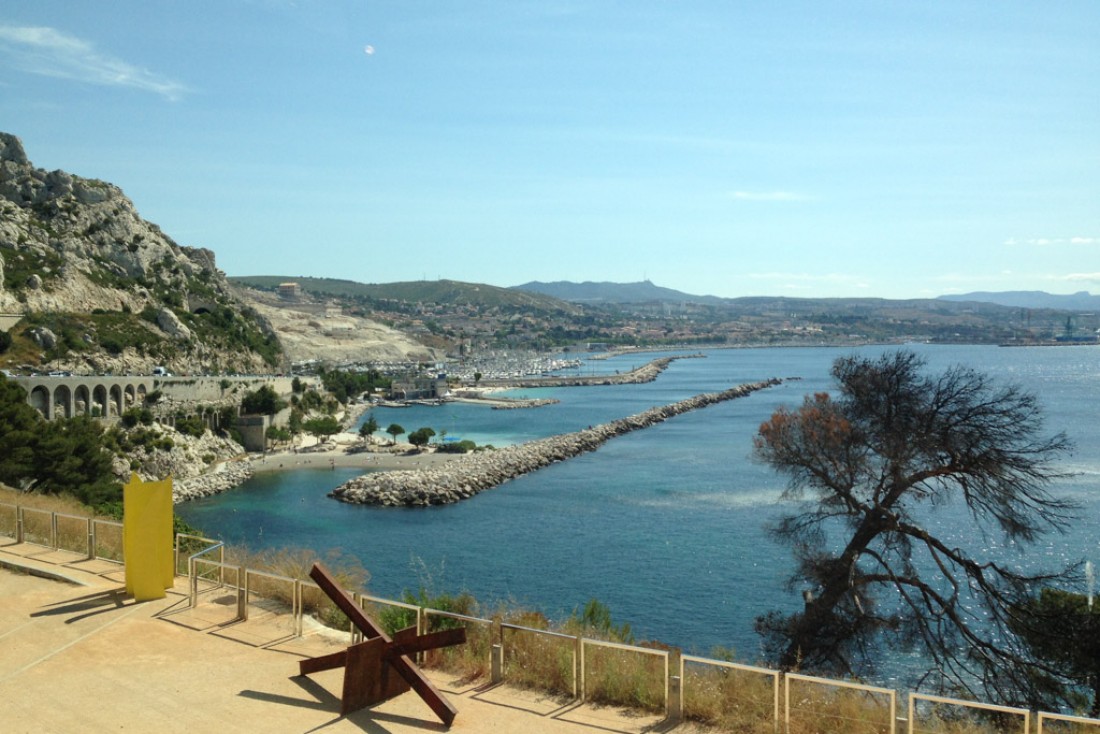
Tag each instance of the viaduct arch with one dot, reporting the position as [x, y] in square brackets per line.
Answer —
[96, 397]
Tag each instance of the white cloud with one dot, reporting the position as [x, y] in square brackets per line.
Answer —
[768, 196]
[50, 52]
[1082, 278]
[1052, 241]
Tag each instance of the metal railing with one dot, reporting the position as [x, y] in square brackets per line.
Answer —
[213, 569]
[507, 643]
[726, 682]
[543, 638]
[60, 531]
[825, 694]
[9, 520]
[677, 686]
[1078, 724]
[590, 685]
[933, 703]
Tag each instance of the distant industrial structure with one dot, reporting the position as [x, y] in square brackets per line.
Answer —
[289, 291]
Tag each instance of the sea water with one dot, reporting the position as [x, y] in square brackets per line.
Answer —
[667, 525]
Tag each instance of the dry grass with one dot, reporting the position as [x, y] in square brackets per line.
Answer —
[469, 661]
[1070, 727]
[730, 698]
[72, 522]
[295, 563]
[537, 661]
[48, 502]
[819, 708]
[630, 678]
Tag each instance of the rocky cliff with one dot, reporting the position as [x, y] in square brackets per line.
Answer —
[101, 289]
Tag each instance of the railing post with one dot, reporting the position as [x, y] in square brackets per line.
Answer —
[674, 708]
[53, 530]
[356, 634]
[496, 663]
[578, 668]
[91, 539]
[194, 582]
[19, 524]
[675, 700]
[496, 652]
[298, 605]
[242, 593]
[421, 629]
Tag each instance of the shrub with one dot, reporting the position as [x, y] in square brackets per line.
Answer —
[263, 401]
[190, 425]
[133, 416]
[457, 447]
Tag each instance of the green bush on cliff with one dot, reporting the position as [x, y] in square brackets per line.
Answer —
[65, 456]
[262, 401]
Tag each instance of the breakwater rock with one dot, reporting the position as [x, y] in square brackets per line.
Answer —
[519, 403]
[476, 472]
[229, 475]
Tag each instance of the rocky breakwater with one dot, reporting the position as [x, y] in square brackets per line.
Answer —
[225, 477]
[473, 473]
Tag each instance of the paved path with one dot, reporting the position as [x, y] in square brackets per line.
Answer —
[78, 656]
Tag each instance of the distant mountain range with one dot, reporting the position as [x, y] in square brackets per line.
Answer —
[1080, 301]
[646, 292]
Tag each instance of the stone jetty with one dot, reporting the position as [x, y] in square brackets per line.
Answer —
[229, 475]
[476, 472]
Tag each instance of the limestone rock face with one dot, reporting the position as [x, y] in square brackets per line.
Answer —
[11, 149]
[76, 246]
[170, 323]
[198, 466]
[43, 337]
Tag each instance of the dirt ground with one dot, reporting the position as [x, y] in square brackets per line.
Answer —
[79, 656]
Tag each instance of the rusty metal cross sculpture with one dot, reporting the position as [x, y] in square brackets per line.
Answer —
[369, 666]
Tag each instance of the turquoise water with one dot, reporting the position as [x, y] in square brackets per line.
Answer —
[664, 525]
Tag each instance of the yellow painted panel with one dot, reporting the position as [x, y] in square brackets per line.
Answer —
[147, 537]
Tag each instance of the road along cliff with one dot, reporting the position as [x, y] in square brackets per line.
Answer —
[476, 472]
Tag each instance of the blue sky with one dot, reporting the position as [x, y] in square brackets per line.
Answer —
[886, 149]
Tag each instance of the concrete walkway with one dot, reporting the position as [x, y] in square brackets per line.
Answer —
[77, 655]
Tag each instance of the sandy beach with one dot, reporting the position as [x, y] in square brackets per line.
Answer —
[378, 456]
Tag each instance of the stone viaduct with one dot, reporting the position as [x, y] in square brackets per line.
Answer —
[108, 397]
[100, 397]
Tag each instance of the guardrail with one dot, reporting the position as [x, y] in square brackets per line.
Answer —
[755, 689]
[755, 692]
[95, 539]
[511, 650]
